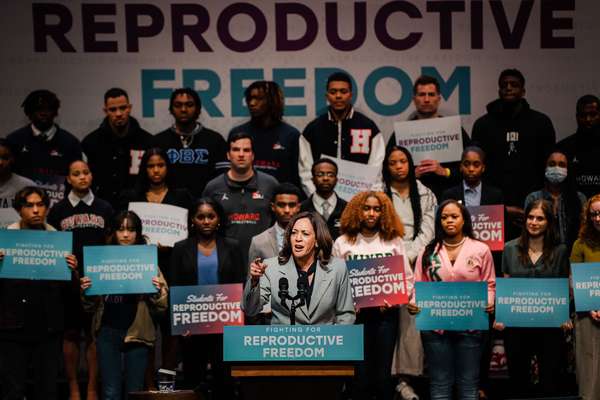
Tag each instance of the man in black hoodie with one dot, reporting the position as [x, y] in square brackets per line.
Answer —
[517, 140]
[115, 149]
[583, 147]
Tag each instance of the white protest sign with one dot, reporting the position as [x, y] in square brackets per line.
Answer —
[431, 139]
[7, 217]
[162, 223]
[354, 178]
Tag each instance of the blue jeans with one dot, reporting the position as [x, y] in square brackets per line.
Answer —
[453, 358]
[113, 354]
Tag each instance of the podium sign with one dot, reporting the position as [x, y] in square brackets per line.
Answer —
[293, 343]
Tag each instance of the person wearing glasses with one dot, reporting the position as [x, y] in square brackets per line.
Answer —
[324, 200]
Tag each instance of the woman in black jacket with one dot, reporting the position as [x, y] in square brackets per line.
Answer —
[207, 257]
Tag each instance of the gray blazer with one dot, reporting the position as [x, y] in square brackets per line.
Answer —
[264, 245]
[331, 301]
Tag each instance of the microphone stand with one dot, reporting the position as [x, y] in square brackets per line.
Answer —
[300, 297]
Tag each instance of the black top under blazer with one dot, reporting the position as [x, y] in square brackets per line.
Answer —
[184, 262]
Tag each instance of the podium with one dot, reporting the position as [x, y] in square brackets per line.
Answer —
[293, 362]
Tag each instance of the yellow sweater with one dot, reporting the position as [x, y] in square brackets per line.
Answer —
[583, 253]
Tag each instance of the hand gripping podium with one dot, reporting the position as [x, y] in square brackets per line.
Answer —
[292, 361]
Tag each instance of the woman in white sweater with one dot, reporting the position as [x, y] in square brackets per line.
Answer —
[370, 229]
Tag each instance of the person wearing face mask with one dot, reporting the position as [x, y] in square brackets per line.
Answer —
[560, 190]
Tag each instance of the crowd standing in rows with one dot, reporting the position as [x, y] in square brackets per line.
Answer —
[267, 191]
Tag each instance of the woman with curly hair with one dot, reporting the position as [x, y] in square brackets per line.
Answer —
[454, 255]
[587, 325]
[370, 229]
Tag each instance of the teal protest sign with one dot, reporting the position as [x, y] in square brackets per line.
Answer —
[120, 269]
[451, 305]
[33, 254]
[532, 302]
[586, 286]
[293, 343]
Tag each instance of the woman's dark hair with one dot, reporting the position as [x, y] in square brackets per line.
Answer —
[413, 193]
[215, 206]
[143, 182]
[436, 243]
[551, 239]
[324, 243]
[132, 221]
[588, 233]
[571, 202]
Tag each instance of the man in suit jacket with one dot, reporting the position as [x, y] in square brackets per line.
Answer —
[285, 203]
[472, 191]
[324, 200]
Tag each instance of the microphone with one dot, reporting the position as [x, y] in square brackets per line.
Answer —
[302, 285]
[284, 294]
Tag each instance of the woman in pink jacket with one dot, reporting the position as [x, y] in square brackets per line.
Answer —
[454, 255]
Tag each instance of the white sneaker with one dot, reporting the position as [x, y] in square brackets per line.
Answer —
[406, 392]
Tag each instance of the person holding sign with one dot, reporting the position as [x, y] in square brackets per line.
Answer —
[31, 315]
[536, 254]
[560, 190]
[371, 229]
[155, 184]
[473, 192]
[207, 257]
[454, 255]
[123, 324]
[587, 325]
[415, 204]
[413, 201]
[305, 267]
[433, 174]
[87, 217]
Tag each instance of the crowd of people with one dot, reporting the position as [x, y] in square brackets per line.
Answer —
[262, 202]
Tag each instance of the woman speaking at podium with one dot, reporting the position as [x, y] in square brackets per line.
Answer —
[304, 278]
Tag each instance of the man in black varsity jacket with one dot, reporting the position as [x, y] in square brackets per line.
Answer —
[342, 132]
